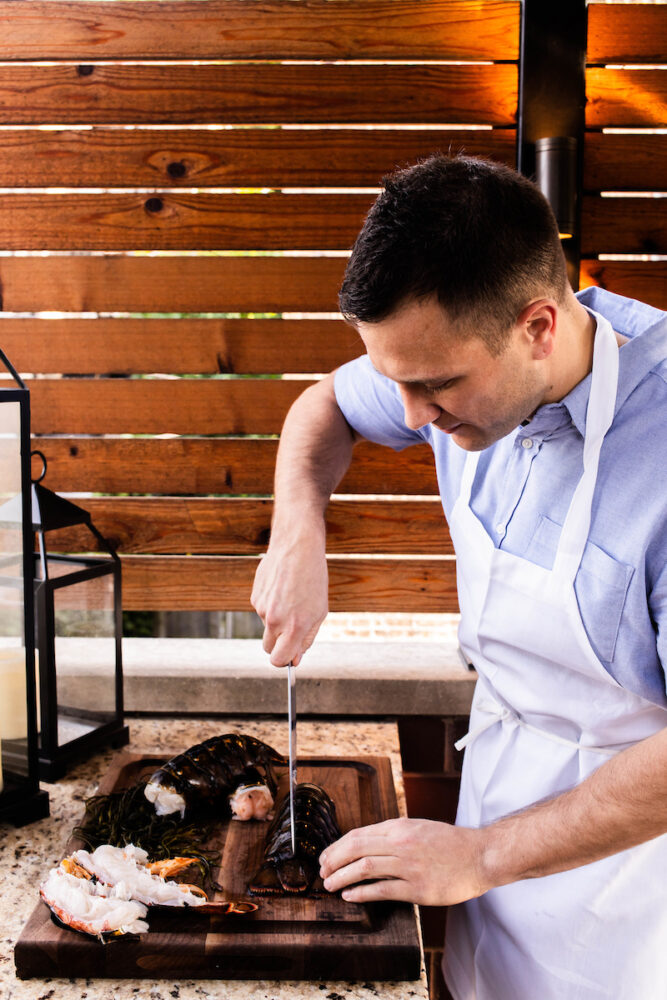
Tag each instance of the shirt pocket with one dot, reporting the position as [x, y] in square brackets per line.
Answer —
[601, 586]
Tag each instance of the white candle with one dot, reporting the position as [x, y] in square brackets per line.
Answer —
[13, 698]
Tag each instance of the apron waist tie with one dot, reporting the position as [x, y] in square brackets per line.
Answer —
[501, 713]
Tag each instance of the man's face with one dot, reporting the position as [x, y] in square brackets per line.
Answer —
[451, 380]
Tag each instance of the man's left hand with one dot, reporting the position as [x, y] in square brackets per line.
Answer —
[417, 860]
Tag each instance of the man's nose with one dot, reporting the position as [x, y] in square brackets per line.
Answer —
[418, 409]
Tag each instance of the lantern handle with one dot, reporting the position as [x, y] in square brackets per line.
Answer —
[12, 371]
[43, 472]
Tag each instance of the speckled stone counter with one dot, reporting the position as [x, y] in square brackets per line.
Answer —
[27, 854]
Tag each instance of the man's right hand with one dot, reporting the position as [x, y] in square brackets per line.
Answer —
[290, 595]
[291, 584]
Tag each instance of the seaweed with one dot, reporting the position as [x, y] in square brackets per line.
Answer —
[127, 817]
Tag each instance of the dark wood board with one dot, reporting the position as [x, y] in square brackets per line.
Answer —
[286, 938]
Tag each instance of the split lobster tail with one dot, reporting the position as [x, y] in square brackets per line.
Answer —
[315, 828]
[231, 773]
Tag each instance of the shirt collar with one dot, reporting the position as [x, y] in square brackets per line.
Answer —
[646, 328]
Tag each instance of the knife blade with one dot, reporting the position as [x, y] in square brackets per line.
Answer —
[291, 716]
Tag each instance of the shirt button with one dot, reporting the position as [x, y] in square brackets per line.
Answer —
[500, 528]
[527, 443]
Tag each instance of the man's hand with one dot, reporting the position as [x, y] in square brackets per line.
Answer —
[417, 860]
[621, 804]
[291, 597]
[291, 584]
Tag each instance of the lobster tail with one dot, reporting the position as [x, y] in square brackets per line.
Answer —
[207, 774]
[315, 827]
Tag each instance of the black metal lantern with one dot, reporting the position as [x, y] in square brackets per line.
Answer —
[21, 800]
[78, 611]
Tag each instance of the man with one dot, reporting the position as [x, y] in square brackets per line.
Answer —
[546, 415]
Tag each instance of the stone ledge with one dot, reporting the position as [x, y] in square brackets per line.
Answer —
[235, 676]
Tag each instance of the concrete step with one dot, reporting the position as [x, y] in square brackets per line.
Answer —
[235, 676]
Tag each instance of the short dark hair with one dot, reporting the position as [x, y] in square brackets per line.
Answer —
[474, 233]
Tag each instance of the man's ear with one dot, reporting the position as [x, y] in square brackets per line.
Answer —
[538, 322]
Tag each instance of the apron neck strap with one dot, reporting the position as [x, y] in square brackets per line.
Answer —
[469, 470]
[599, 416]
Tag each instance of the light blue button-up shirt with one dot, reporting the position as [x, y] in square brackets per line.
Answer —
[525, 482]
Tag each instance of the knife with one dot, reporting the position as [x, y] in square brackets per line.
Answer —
[291, 716]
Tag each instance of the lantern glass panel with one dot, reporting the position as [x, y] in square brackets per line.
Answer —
[84, 636]
[13, 693]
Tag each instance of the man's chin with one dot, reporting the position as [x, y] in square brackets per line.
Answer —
[472, 438]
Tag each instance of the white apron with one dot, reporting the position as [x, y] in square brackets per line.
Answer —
[545, 715]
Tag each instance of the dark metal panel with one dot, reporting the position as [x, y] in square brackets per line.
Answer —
[552, 88]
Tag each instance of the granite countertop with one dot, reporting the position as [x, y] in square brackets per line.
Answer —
[27, 854]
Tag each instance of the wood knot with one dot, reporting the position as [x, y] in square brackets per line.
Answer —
[85, 70]
[176, 169]
[154, 205]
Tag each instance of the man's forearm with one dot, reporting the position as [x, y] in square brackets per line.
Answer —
[315, 450]
[291, 584]
[622, 804]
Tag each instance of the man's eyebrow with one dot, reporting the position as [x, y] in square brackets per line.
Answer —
[430, 382]
[427, 382]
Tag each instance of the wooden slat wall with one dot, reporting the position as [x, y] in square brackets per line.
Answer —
[236, 29]
[626, 90]
[186, 140]
[252, 157]
[184, 466]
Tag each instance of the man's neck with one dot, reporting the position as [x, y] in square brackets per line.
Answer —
[572, 358]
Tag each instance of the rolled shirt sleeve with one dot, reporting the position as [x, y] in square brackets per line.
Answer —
[371, 404]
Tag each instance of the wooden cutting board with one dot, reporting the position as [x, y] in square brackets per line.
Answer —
[286, 938]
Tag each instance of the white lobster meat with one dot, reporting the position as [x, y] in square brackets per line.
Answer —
[127, 869]
[108, 891]
[91, 907]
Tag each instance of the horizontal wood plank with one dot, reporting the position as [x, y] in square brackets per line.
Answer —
[626, 98]
[173, 525]
[248, 157]
[161, 406]
[233, 466]
[629, 32]
[644, 280]
[178, 346]
[166, 284]
[247, 93]
[623, 225]
[181, 221]
[216, 583]
[274, 29]
[190, 284]
[627, 162]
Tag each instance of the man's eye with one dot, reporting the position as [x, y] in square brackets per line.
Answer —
[432, 389]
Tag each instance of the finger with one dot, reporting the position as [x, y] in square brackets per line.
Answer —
[362, 842]
[269, 639]
[278, 647]
[291, 645]
[285, 650]
[370, 892]
[365, 869]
